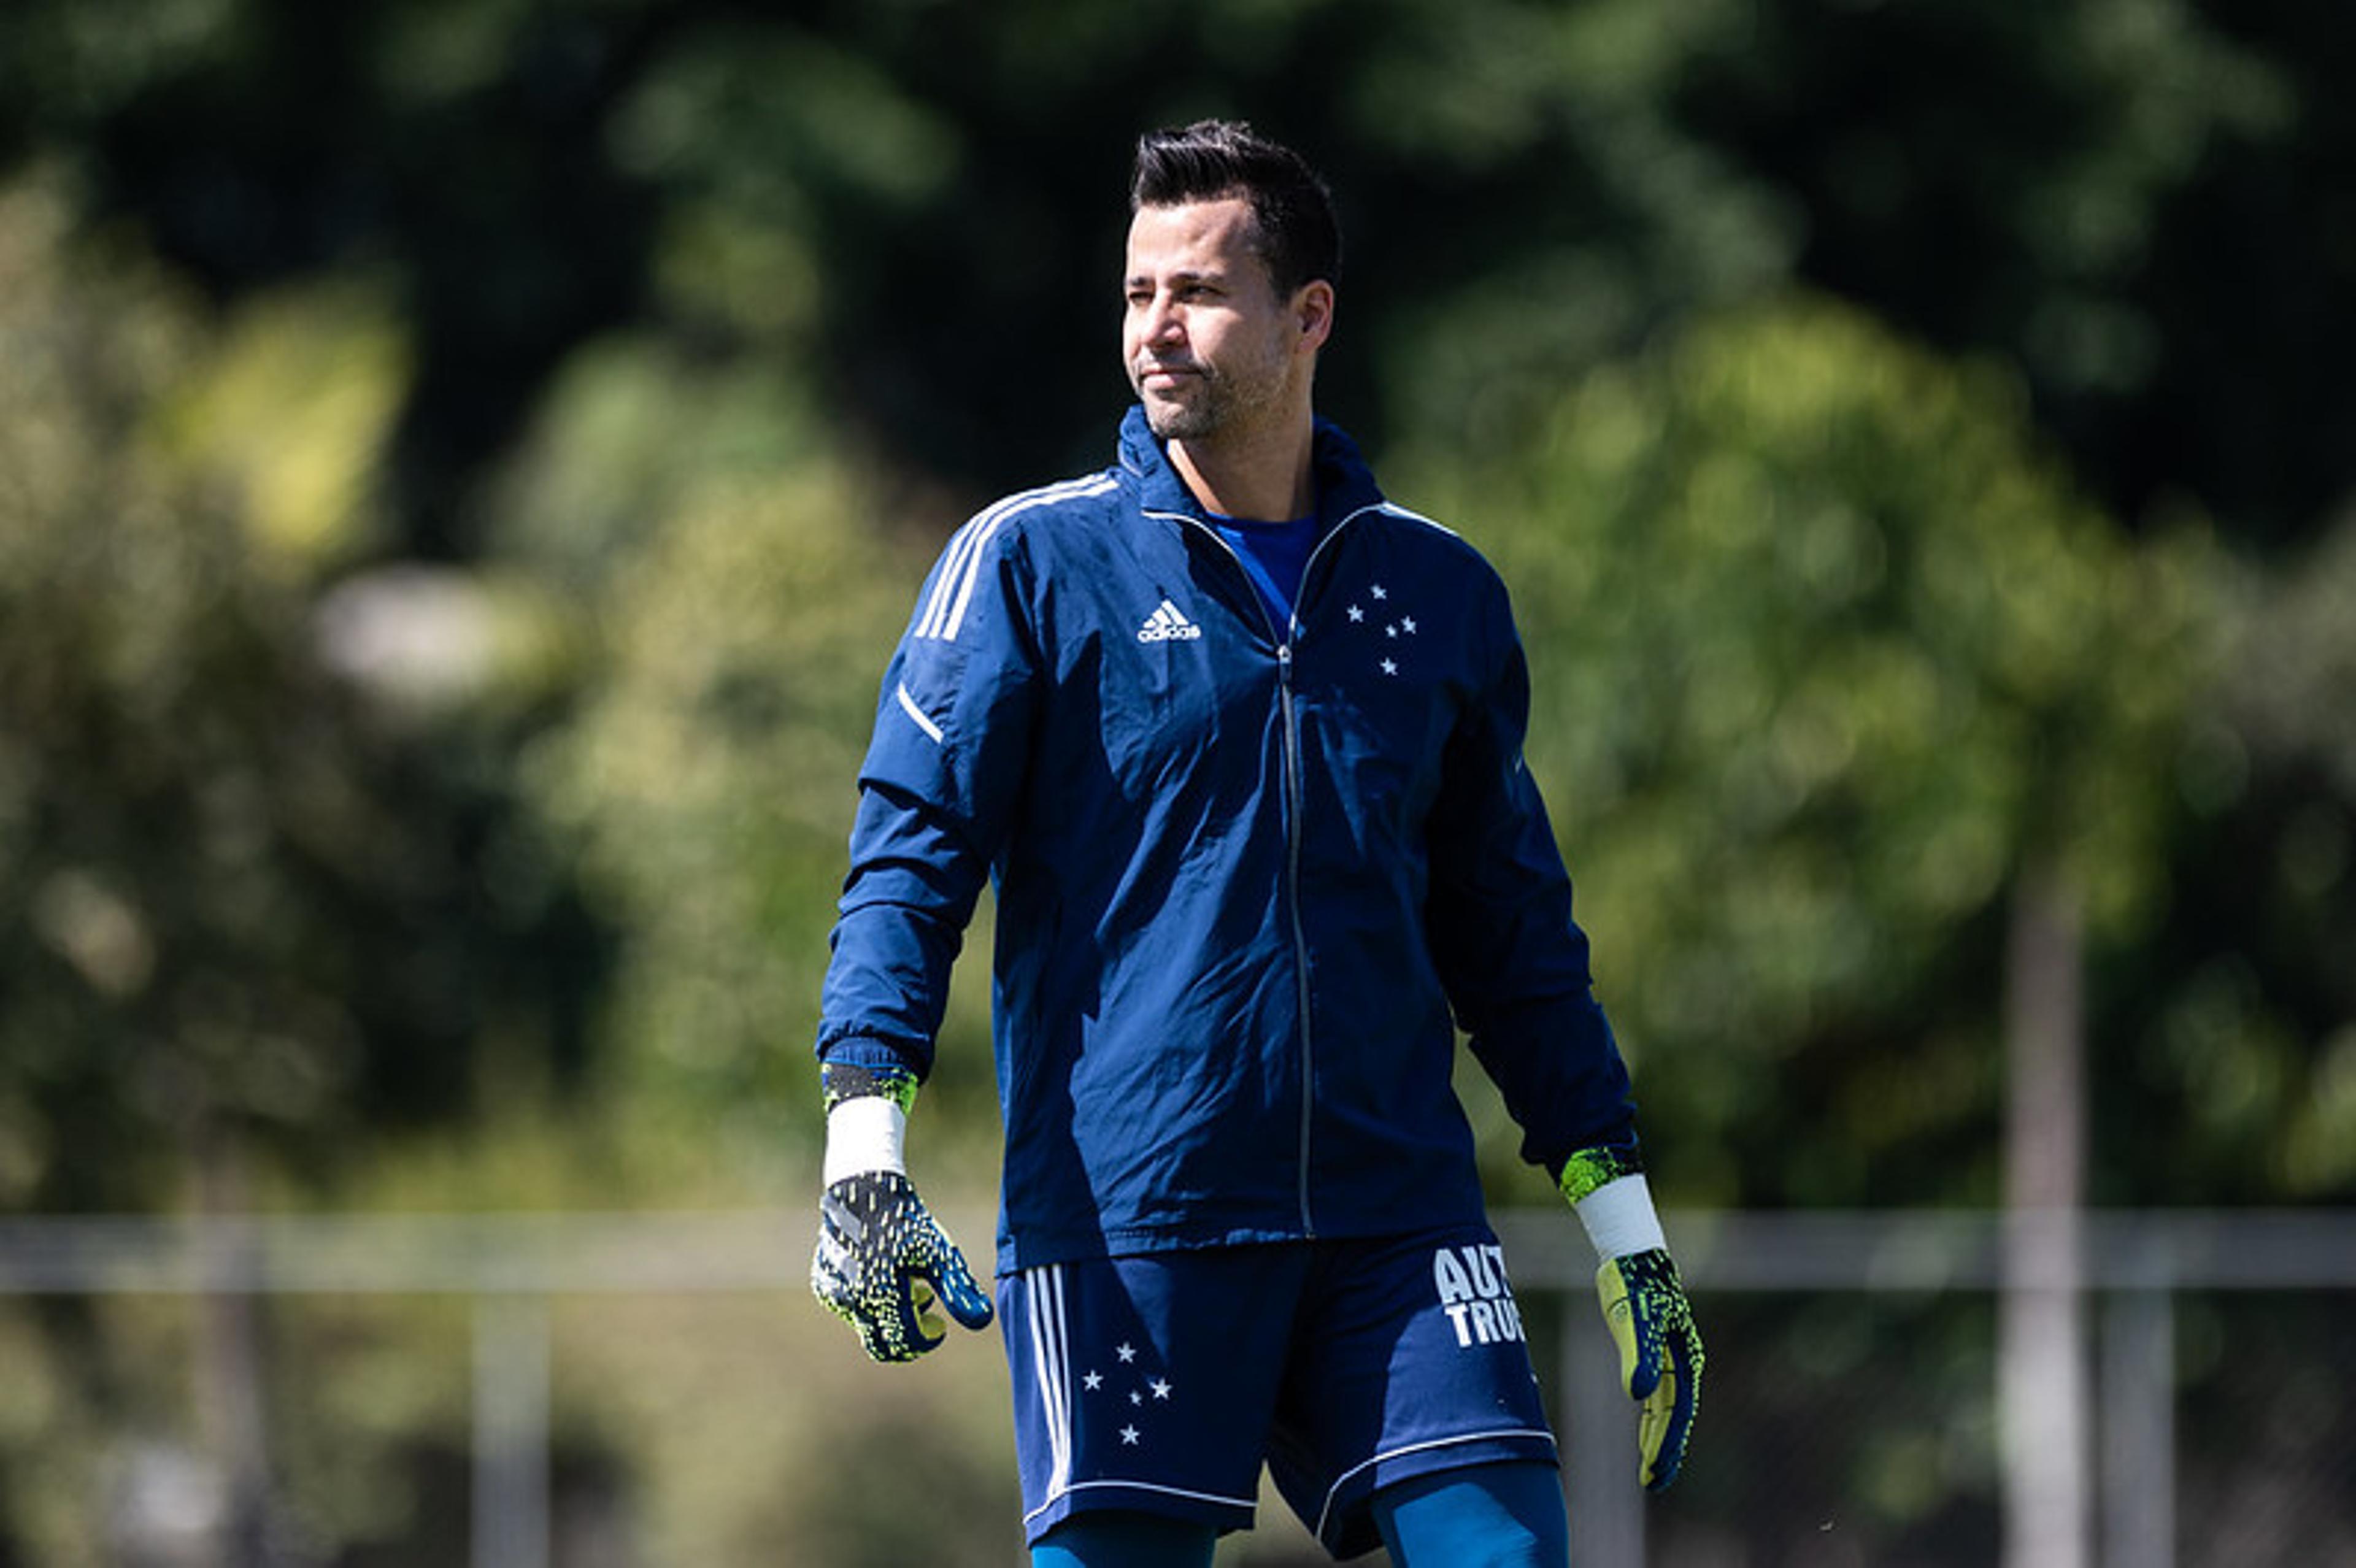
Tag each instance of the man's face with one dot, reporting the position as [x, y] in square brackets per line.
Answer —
[1211, 350]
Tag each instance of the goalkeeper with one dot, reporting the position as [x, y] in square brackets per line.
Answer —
[1239, 742]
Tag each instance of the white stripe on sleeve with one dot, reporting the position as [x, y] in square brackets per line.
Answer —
[961, 564]
[908, 705]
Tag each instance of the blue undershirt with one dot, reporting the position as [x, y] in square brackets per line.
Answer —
[1274, 556]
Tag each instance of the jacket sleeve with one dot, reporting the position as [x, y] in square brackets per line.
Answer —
[936, 793]
[1514, 960]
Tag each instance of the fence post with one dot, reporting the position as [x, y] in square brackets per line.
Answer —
[2138, 1398]
[511, 1469]
[1599, 1437]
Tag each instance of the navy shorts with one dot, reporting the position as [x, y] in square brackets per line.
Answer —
[1160, 1383]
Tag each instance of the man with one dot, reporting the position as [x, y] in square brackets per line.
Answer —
[1239, 742]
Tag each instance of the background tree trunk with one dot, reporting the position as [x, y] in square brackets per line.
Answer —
[2041, 1316]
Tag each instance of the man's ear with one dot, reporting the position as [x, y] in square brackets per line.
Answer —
[1312, 311]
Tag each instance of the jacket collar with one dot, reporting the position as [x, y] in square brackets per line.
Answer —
[1345, 484]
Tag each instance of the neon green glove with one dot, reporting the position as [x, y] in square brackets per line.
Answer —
[1660, 1357]
[882, 1263]
[1644, 1306]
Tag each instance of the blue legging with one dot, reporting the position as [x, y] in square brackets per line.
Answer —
[1109, 1540]
[1486, 1515]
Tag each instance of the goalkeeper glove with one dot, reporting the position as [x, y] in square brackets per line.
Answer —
[1644, 1306]
[882, 1263]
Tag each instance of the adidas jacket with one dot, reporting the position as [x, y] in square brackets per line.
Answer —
[1250, 878]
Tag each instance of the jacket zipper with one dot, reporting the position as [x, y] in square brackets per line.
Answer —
[1299, 788]
[1295, 794]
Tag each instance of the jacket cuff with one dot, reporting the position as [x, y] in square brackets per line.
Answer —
[871, 1053]
[1584, 1171]
[840, 1080]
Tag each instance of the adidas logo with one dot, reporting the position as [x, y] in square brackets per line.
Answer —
[1167, 626]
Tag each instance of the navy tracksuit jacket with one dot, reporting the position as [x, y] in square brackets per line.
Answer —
[1250, 877]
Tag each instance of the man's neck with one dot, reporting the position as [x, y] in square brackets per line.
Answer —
[1270, 479]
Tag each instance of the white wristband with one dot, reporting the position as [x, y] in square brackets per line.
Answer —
[1619, 1218]
[868, 1132]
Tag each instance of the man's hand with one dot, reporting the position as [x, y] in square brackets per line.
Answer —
[1644, 1303]
[883, 1263]
[1660, 1357]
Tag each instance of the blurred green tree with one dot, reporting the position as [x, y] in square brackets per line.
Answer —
[2094, 189]
[709, 774]
[2233, 1024]
[267, 904]
[1828, 651]
[253, 900]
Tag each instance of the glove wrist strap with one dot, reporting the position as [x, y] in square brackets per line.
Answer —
[864, 1133]
[1621, 1220]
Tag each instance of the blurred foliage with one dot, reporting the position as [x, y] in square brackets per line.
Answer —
[2268, 1427]
[1825, 647]
[2234, 1025]
[463, 464]
[1886, 1449]
[2144, 204]
[241, 904]
[704, 775]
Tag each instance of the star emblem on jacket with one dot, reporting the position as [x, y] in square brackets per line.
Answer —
[1397, 629]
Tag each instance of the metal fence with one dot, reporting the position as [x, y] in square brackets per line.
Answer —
[2135, 1268]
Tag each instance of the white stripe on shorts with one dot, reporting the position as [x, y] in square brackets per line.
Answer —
[1344, 1478]
[1051, 1354]
[1219, 1497]
[1043, 1298]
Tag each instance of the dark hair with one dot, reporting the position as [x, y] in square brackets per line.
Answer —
[1294, 233]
